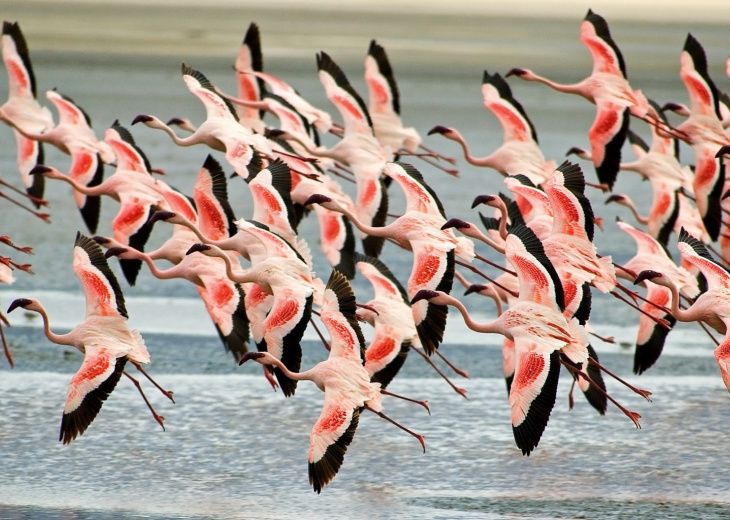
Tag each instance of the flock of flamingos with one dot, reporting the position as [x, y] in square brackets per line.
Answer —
[255, 273]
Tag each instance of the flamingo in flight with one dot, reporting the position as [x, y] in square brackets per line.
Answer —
[221, 129]
[132, 185]
[711, 307]
[651, 254]
[704, 132]
[73, 135]
[103, 337]
[250, 88]
[608, 89]
[343, 378]
[22, 109]
[419, 230]
[519, 152]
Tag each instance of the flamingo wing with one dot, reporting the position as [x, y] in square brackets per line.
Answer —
[703, 94]
[337, 240]
[595, 35]
[210, 194]
[433, 269]
[89, 388]
[651, 336]
[419, 195]
[331, 435]
[694, 252]
[338, 316]
[533, 391]
[383, 90]
[708, 184]
[87, 168]
[271, 192]
[722, 355]
[283, 329]
[129, 156]
[341, 94]
[607, 135]
[131, 226]
[225, 302]
[498, 98]
[250, 58]
[216, 106]
[385, 355]
[102, 291]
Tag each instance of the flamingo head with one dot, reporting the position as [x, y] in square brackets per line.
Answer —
[520, 73]
[575, 150]
[26, 303]
[323, 200]
[115, 251]
[198, 248]
[616, 197]
[142, 118]
[722, 152]
[475, 288]
[489, 200]
[167, 216]
[425, 294]
[439, 129]
[456, 223]
[40, 169]
[677, 108]
[256, 356]
[648, 274]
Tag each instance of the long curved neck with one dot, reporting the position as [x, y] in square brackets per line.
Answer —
[375, 231]
[59, 339]
[192, 139]
[476, 161]
[630, 204]
[573, 88]
[297, 376]
[81, 188]
[684, 315]
[474, 325]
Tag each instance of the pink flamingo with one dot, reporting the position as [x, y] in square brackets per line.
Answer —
[711, 307]
[22, 109]
[607, 88]
[103, 337]
[343, 378]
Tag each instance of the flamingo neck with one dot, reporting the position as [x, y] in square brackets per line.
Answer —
[474, 325]
[59, 339]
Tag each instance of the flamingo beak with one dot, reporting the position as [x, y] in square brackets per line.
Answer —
[20, 302]
[251, 355]
[424, 294]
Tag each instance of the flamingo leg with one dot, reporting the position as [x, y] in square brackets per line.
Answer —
[160, 419]
[409, 399]
[571, 402]
[659, 321]
[6, 348]
[462, 373]
[166, 393]
[270, 378]
[577, 373]
[457, 389]
[605, 339]
[494, 264]
[43, 216]
[418, 436]
[319, 333]
[35, 200]
[646, 394]
[478, 272]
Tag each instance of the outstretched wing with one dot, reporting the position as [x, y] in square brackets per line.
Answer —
[101, 288]
[331, 435]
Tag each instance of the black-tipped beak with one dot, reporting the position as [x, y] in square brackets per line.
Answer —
[575, 151]
[482, 199]
[250, 355]
[114, 251]
[456, 223]
[142, 118]
[20, 302]
[514, 72]
[198, 248]
[317, 199]
[646, 275]
[161, 215]
[100, 240]
[475, 288]
[175, 121]
[614, 198]
[424, 294]
[39, 169]
[725, 150]
[439, 129]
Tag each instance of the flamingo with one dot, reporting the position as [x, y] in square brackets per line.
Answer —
[607, 88]
[343, 378]
[250, 88]
[539, 330]
[220, 131]
[73, 135]
[652, 255]
[703, 131]
[711, 307]
[419, 230]
[281, 273]
[132, 185]
[519, 152]
[103, 337]
[22, 109]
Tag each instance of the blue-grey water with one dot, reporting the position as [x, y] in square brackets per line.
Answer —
[233, 448]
